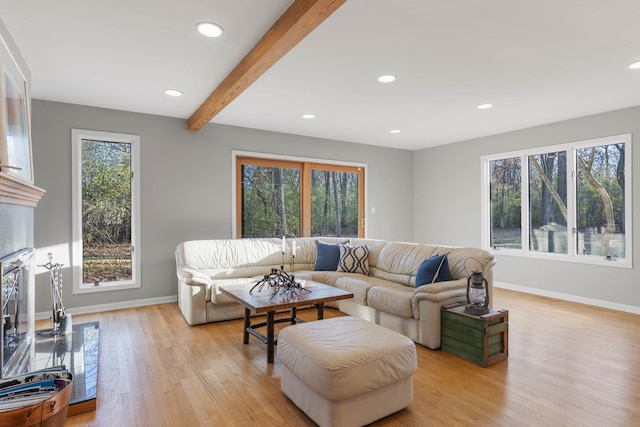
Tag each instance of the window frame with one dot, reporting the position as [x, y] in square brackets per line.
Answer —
[571, 149]
[306, 165]
[77, 136]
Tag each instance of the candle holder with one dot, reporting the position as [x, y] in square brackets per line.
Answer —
[281, 282]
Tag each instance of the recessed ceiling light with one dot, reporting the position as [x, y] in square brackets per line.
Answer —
[635, 66]
[308, 116]
[387, 78]
[484, 106]
[209, 29]
[173, 92]
[394, 131]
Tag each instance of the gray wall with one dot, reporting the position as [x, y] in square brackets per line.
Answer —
[186, 187]
[16, 228]
[447, 207]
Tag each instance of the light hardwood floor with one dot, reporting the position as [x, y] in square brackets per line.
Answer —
[569, 365]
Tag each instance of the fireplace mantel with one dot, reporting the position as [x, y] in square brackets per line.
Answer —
[18, 192]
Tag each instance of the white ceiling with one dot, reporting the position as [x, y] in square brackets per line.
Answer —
[536, 61]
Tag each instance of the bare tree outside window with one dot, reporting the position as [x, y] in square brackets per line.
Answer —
[601, 200]
[334, 203]
[106, 211]
[576, 200]
[548, 202]
[270, 201]
[506, 214]
[286, 198]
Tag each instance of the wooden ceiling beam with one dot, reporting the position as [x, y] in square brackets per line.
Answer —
[302, 17]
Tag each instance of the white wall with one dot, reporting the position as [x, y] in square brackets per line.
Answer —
[13, 48]
[186, 187]
[447, 209]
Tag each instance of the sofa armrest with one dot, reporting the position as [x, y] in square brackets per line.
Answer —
[193, 286]
[432, 296]
[437, 287]
[193, 276]
[192, 301]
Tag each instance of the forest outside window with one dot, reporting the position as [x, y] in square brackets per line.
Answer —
[282, 197]
[105, 211]
[571, 200]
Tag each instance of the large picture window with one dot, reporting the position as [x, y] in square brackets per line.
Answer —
[105, 211]
[283, 197]
[571, 200]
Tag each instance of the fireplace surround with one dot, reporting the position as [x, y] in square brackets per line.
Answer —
[18, 200]
[18, 317]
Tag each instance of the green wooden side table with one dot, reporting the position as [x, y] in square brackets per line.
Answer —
[483, 340]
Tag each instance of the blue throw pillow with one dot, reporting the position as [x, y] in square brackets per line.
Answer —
[434, 269]
[327, 257]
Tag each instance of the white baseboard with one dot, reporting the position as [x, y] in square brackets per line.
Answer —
[112, 306]
[567, 297]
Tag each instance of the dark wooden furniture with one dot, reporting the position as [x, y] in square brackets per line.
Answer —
[482, 340]
[263, 303]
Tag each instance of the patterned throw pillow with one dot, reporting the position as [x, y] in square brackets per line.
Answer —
[354, 259]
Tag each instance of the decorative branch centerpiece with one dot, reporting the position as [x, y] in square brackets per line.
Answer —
[279, 281]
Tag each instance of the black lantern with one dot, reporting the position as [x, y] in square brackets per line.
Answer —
[477, 294]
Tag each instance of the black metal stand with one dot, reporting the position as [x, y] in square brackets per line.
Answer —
[60, 321]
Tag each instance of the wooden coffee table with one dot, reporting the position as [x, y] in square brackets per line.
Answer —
[262, 302]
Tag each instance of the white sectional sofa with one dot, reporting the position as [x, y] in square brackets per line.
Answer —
[388, 296]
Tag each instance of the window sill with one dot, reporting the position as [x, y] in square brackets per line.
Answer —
[591, 260]
[105, 287]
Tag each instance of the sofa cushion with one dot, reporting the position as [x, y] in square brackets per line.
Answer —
[354, 259]
[358, 285]
[392, 298]
[328, 256]
[326, 277]
[433, 269]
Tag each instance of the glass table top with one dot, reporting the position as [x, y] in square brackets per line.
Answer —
[77, 351]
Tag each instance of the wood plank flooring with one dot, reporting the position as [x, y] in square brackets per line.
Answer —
[569, 365]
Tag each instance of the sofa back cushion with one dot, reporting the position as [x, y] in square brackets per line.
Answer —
[226, 258]
[374, 247]
[394, 261]
[229, 258]
[399, 262]
[463, 260]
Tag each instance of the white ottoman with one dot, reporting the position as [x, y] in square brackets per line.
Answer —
[346, 371]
